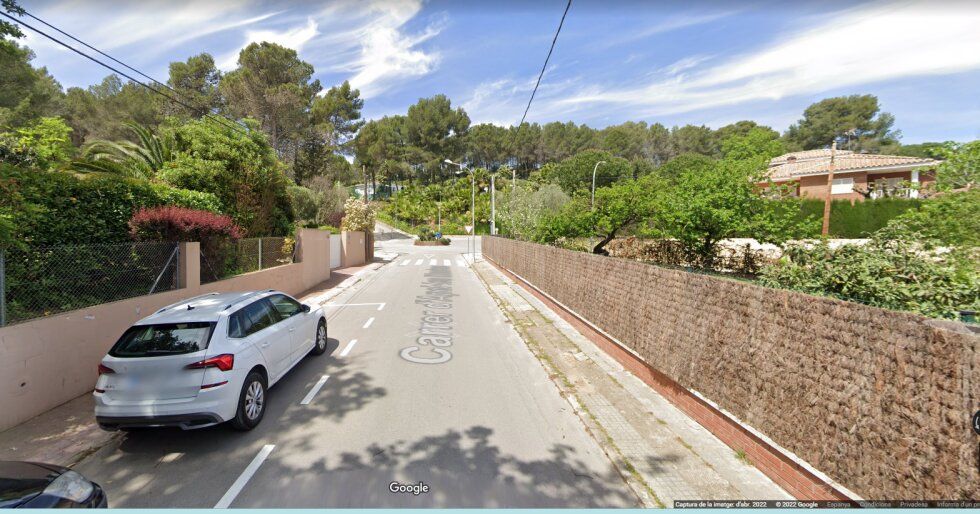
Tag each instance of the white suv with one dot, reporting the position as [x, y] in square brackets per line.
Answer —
[206, 360]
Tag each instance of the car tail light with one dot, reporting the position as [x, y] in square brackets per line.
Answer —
[105, 370]
[224, 362]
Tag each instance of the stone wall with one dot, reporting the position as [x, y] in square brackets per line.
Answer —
[878, 400]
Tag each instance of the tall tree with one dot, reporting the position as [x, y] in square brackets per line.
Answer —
[527, 148]
[487, 146]
[196, 82]
[435, 128]
[857, 118]
[272, 85]
[562, 140]
[339, 111]
[102, 110]
[26, 93]
[694, 139]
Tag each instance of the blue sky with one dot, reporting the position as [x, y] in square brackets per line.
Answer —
[673, 62]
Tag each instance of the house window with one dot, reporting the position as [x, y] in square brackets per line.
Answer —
[842, 186]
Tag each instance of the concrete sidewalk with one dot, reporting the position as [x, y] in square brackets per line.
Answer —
[68, 433]
[662, 454]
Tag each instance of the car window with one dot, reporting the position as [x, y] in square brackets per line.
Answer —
[285, 305]
[260, 315]
[163, 339]
[238, 324]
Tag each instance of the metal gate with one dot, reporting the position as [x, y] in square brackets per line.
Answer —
[335, 249]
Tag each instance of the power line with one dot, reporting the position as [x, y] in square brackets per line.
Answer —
[225, 122]
[545, 66]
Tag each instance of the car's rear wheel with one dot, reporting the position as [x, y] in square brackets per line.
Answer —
[320, 343]
[251, 403]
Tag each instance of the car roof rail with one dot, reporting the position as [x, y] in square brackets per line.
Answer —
[243, 298]
[186, 301]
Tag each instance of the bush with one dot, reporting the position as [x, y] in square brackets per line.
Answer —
[358, 216]
[305, 203]
[241, 170]
[181, 224]
[891, 273]
[860, 219]
[56, 208]
[950, 219]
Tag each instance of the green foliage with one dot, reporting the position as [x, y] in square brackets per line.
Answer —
[57, 208]
[46, 140]
[960, 167]
[574, 174]
[143, 159]
[694, 139]
[436, 130]
[711, 203]
[856, 117]
[102, 111]
[616, 208]
[26, 93]
[274, 86]
[7, 28]
[306, 202]
[689, 162]
[925, 150]
[196, 82]
[757, 142]
[858, 219]
[890, 273]
[951, 219]
[521, 211]
[241, 170]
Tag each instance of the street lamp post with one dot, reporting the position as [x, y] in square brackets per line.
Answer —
[462, 169]
[596, 168]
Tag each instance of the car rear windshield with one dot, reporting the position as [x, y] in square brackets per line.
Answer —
[163, 339]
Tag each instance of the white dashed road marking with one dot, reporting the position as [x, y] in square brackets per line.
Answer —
[316, 389]
[418, 262]
[406, 262]
[432, 262]
[368, 323]
[243, 479]
[447, 262]
[348, 348]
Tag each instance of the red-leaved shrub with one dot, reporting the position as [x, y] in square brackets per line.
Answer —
[334, 218]
[171, 223]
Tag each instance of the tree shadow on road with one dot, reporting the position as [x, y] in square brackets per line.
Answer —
[462, 468]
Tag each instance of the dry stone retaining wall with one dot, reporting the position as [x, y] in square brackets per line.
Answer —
[878, 400]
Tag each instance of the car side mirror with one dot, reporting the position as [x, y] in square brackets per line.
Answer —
[306, 308]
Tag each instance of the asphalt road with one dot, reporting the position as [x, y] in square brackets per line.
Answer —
[470, 414]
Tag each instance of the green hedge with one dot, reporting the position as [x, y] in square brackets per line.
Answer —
[860, 219]
[58, 208]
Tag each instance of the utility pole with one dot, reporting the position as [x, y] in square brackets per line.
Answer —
[830, 190]
[493, 206]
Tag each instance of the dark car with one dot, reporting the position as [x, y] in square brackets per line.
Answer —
[45, 486]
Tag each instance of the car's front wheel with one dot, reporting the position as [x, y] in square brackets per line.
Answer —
[251, 403]
[320, 343]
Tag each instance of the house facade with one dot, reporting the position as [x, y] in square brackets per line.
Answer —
[857, 176]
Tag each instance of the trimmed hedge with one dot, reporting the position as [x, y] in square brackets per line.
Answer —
[861, 219]
[58, 208]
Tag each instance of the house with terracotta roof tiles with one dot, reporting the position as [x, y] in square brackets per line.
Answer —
[857, 176]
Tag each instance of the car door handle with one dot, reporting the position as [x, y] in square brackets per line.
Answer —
[292, 329]
[264, 345]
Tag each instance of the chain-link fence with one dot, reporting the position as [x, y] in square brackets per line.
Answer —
[244, 256]
[41, 281]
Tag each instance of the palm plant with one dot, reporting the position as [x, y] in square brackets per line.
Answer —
[143, 159]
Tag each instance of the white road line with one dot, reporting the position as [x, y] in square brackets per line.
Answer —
[381, 305]
[460, 262]
[243, 479]
[368, 323]
[418, 262]
[406, 262]
[348, 348]
[432, 262]
[447, 262]
[316, 389]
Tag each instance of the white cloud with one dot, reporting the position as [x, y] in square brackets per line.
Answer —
[860, 46]
[386, 52]
[295, 38]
